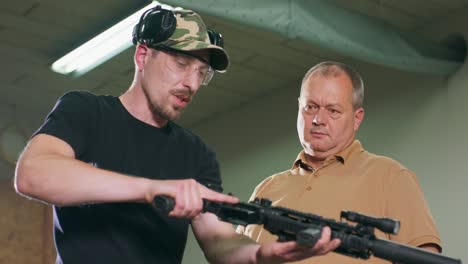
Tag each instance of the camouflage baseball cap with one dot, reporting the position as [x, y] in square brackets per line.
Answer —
[191, 34]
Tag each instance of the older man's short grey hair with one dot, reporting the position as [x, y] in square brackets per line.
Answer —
[333, 69]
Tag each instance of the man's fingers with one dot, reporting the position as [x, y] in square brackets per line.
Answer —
[179, 200]
[327, 247]
[195, 200]
[290, 251]
[188, 195]
[335, 243]
[187, 199]
[216, 196]
[283, 247]
[280, 252]
[326, 244]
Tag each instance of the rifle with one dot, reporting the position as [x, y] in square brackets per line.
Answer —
[358, 241]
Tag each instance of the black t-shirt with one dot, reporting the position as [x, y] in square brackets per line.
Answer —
[104, 134]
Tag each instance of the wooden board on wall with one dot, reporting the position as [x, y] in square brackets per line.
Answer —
[25, 229]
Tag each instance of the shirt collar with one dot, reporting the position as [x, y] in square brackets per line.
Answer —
[341, 156]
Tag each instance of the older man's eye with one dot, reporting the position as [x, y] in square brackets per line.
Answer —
[310, 108]
[334, 113]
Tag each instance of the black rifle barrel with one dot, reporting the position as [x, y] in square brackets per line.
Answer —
[399, 253]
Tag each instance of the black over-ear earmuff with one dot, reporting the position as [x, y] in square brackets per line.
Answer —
[216, 38]
[156, 25]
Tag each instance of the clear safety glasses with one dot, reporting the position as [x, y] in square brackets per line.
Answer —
[186, 63]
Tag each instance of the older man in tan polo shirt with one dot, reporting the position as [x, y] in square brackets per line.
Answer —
[333, 172]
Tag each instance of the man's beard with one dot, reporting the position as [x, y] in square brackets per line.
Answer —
[158, 109]
[165, 113]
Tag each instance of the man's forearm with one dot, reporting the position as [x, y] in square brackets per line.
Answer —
[48, 171]
[220, 242]
[233, 250]
[71, 183]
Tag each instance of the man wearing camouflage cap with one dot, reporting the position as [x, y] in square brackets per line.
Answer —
[99, 160]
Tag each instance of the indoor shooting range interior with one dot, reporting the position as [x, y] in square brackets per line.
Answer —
[411, 55]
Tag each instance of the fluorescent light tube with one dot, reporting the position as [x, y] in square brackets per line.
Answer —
[102, 47]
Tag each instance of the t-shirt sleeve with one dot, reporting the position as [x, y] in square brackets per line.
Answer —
[71, 120]
[209, 173]
[408, 205]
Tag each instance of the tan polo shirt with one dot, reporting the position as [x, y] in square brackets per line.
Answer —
[354, 180]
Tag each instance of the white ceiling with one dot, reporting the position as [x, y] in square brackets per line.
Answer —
[34, 33]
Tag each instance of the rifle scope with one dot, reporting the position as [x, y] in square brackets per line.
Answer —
[386, 225]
